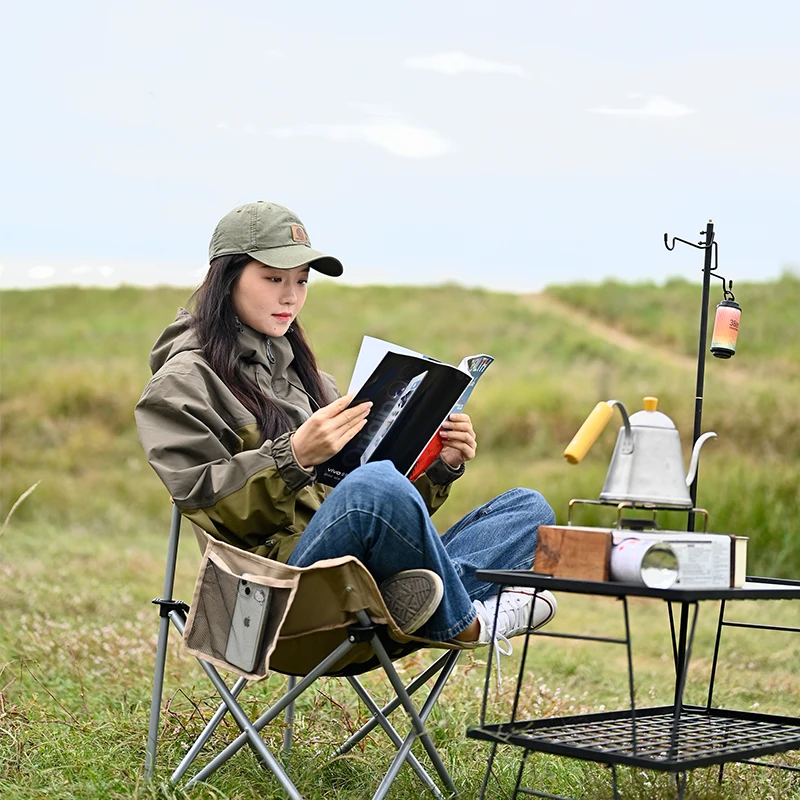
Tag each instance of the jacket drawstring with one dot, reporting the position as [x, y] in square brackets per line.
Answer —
[315, 406]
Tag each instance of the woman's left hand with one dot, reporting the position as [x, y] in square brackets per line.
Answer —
[458, 440]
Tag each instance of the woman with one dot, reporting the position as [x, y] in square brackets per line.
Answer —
[237, 416]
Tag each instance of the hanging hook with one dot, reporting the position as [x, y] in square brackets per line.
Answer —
[726, 290]
[727, 293]
[698, 246]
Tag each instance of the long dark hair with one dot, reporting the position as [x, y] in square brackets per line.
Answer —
[218, 328]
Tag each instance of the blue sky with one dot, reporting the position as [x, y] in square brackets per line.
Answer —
[509, 145]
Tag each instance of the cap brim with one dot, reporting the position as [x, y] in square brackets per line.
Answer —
[295, 255]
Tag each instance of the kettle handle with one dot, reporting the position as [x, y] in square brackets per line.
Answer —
[593, 426]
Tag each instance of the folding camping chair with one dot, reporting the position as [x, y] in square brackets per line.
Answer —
[333, 621]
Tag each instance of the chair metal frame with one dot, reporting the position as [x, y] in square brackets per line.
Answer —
[175, 611]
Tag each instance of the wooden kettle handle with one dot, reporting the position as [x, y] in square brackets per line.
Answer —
[587, 434]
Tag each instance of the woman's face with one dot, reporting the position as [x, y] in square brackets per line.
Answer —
[268, 299]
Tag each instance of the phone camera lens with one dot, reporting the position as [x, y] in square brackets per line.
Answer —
[247, 590]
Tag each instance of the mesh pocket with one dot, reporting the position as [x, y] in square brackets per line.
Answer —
[230, 618]
[235, 618]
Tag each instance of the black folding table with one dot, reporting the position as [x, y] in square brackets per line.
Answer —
[674, 738]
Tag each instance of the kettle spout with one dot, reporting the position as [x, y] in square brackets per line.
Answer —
[696, 455]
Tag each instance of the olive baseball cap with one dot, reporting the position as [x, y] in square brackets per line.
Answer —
[270, 234]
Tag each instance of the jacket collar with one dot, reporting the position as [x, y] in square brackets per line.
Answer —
[274, 353]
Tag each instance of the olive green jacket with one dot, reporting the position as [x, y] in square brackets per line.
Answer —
[203, 443]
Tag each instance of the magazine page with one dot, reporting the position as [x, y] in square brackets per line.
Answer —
[474, 365]
[398, 431]
[393, 416]
[369, 356]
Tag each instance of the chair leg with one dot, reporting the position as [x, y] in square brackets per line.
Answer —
[199, 743]
[272, 712]
[155, 700]
[418, 725]
[289, 718]
[161, 648]
[253, 739]
[242, 720]
[380, 719]
[419, 720]
[250, 730]
[412, 687]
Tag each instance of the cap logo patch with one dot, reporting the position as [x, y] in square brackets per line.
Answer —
[299, 234]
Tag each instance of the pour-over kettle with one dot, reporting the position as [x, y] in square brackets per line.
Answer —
[647, 464]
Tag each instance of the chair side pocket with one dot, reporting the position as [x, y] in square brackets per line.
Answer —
[240, 602]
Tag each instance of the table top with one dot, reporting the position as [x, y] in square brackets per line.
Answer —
[753, 589]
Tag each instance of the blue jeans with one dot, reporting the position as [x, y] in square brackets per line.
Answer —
[376, 515]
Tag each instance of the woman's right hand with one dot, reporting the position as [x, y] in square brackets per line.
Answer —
[328, 430]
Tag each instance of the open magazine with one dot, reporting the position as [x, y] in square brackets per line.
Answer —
[412, 395]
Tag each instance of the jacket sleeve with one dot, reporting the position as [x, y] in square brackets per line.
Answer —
[434, 484]
[200, 459]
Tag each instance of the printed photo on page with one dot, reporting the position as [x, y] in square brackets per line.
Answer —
[401, 403]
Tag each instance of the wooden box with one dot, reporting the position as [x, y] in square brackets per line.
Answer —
[567, 551]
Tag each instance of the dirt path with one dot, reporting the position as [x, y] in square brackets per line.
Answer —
[647, 349]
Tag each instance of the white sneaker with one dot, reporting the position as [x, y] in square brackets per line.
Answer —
[514, 612]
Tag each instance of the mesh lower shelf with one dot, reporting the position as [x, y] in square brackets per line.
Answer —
[653, 739]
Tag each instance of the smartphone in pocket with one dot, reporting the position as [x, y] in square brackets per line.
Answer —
[247, 624]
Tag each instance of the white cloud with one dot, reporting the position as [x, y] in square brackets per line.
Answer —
[106, 271]
[385, 131]
[41, 273]
[653, 106]
[456, 63]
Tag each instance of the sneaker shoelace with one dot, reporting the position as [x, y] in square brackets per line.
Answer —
[500, 644]
[499, 651]
[511, 623]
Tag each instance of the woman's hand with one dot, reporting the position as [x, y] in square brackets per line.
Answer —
[328, 430]
[458, 440]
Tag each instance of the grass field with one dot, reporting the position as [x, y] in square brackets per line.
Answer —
[82, 556]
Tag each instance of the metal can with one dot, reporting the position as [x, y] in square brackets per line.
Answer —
[640, 561]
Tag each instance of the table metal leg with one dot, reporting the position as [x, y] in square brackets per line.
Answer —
[523, 660]
[672, 637]
[488, 772]
[522, 761]
[631, 688]
[720, 622]
[680, 779]
[685, 652]
[680, 663]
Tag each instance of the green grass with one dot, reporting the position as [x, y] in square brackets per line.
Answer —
[83, 555]
[669, 316]
[78, 661]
